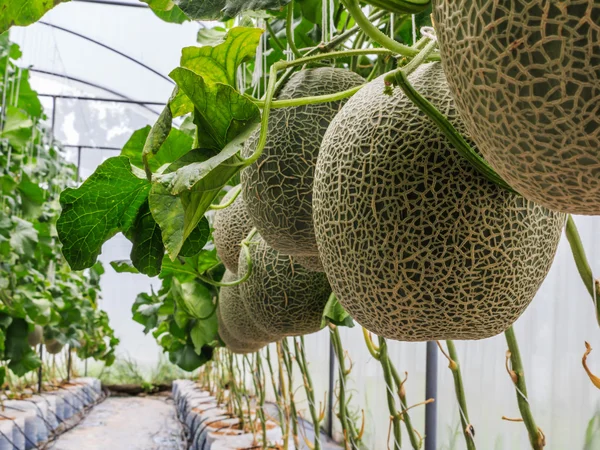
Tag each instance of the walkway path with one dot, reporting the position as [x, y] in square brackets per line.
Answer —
[126, 423]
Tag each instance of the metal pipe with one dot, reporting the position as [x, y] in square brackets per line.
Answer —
[431, 381]
[107, 47]
[102, 99]
[89, 83]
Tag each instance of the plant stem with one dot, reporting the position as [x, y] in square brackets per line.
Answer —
[349, 432]
[309, 100]
[536, 436]
[389, 383]
[276, 40]
[236, 192]
[310, 393]
[459, 142]
[354, 9]
[284, 396]
[346, 34]
[260, 392]
[287, 360]
[415, 441]
[454, 366]
[289, 27]
[583, 266]
[276, 391]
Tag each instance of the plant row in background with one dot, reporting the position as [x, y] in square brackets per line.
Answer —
[354, 163]
[45, 306]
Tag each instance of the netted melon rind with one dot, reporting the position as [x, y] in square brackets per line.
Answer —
[526, 79]
[416, 244]
[235, 316]
[310, 263]
[281, 296]
[231, 226]
[231, 342]
[277, 188]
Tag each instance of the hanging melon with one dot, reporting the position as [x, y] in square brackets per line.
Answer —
[526, 80]
[231, 226]
[278, 187]
[281, 296]
[236, 318]
[416, 244]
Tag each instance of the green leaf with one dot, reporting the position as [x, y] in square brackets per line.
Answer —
[148, 249]
[203, 333]
[159, 133]
[28, 99]
[23, 12]
[210, 36]
[22, 358]
[186, 357]
[221, 113]
[336, 314]
[124, 266]
[225, 9]
[179, 213]
[219, 64]
[18, 126]
[175, 146]
[32, 196]
[24, 237]
[106, 203]
[195, 299]
[167, 11]
[196, 240]
[189, 268]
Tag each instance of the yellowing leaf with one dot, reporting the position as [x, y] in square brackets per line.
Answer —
[593, 378]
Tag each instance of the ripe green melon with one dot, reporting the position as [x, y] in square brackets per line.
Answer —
[525, 76]
[231, 342]
[231, 226]
[277, 188]
[53, 346]
[416, 244]
[234, 314]
[281, 296]
[36, 337]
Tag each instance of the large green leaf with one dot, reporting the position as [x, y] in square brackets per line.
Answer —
[148, 249]
[123, 266]
[18, 127]
[220, 113]
[179, 200]
[195, 299]
[22, 358]
[23, 12]
[106, 203]
[219, 64]
[225, 9]
[196, 240]
[185, 356]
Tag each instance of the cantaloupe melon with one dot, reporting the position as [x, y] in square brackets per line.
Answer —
[36, 337]
[234, 314]
[53, 346]
[417, 245]
[231, 226]
[525, 76]
[281, 296]
[231, 342]
[277, 188]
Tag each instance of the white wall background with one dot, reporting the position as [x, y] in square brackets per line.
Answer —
[551, 333]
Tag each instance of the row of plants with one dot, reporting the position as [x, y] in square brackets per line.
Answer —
[42, 300]
[339, 162]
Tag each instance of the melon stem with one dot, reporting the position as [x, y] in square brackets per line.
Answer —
[581, 261]
[293, 413]
[391, 401]
[354, 9]
[536, 436]
[289, 29]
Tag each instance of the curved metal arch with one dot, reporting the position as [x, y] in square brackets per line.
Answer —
[108, 47]
[94, 85]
